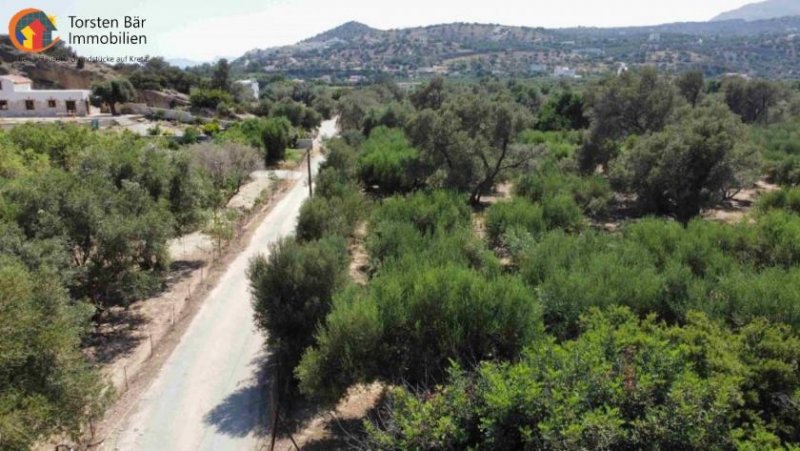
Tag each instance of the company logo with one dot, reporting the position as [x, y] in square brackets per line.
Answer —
[31, 30]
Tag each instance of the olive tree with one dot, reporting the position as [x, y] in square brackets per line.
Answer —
[113, 92]
[468, 144]
[625, 105]
[691, 164]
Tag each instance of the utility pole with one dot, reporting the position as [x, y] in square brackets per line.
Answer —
[310, 190]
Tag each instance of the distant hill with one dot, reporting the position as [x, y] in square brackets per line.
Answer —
[347, 32]
[763, 48]
[769, 9]
[183, 63]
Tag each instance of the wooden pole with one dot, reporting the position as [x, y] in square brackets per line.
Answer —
[274, 428]
[310, 190]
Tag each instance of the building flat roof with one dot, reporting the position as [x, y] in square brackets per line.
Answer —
[17, 79]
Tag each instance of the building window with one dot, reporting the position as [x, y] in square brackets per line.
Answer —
[4, 105]
[29, 105]
[1, 85]
[71, 106]
[51, 103]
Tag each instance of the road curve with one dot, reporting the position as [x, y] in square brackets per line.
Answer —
[207, 396]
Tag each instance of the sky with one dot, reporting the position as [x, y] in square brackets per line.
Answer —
[204, 30]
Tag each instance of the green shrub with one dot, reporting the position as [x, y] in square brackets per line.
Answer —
[517, 214]
[427, 212]
[561, 212]
[46, 385]
[209, 98]
[387, 161]
[275, 137]
[321, 216]
[784, 199]
[412, 224]
[592, 193]
[292, 290]
[623, 384]
[412, 322]
[342, 157]
[741, 296]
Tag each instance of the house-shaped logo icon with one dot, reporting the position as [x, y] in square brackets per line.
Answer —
[31, 30]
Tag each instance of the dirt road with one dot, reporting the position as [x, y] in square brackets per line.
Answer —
[208, 394]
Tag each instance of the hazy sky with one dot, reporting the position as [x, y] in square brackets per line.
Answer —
[204, 29]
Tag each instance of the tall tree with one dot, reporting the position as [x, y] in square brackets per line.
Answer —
[751, 99]
[691, 85]
[469, 143]
[46, 385]
[690, 164]
[432, 95]
[112, 92]
[275, 136]
[221, 78]
[628, 104]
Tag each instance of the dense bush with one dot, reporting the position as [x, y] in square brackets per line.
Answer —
[46, 386]
[324, 216]
[209, 98]
[785, 199]
[592, 193]
[388, 161]
[562, 212]
[623, 384]
[734, 273]
[690, 165]
[342, 157]
[563, 111]
[418, 223]
[427, 212]
[276, 135]
[781, 146]
[518, 214]
[298, 114]
[560, 145]
[292, 290]
[412, 322]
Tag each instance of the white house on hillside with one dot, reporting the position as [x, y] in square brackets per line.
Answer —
[250, 86]
[19, 99]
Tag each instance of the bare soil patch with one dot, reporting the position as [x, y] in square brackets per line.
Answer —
[359, 259]
[339, 428]
[737, 208]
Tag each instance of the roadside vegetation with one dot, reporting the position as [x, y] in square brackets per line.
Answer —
[85, 221]
[540, 274]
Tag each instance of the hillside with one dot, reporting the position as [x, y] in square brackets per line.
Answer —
[346, 32]
[769, 9]
[59, 71]
[764, 47]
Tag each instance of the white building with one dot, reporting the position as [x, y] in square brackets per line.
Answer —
[19, 99]
[251, 87]
[565, 72]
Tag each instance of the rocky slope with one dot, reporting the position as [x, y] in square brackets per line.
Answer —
[769, 9]
[56, 69]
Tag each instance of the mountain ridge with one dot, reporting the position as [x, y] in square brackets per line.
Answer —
[769, 9]
[764, 47]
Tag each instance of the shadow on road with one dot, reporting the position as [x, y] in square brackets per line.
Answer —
[244, 411]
